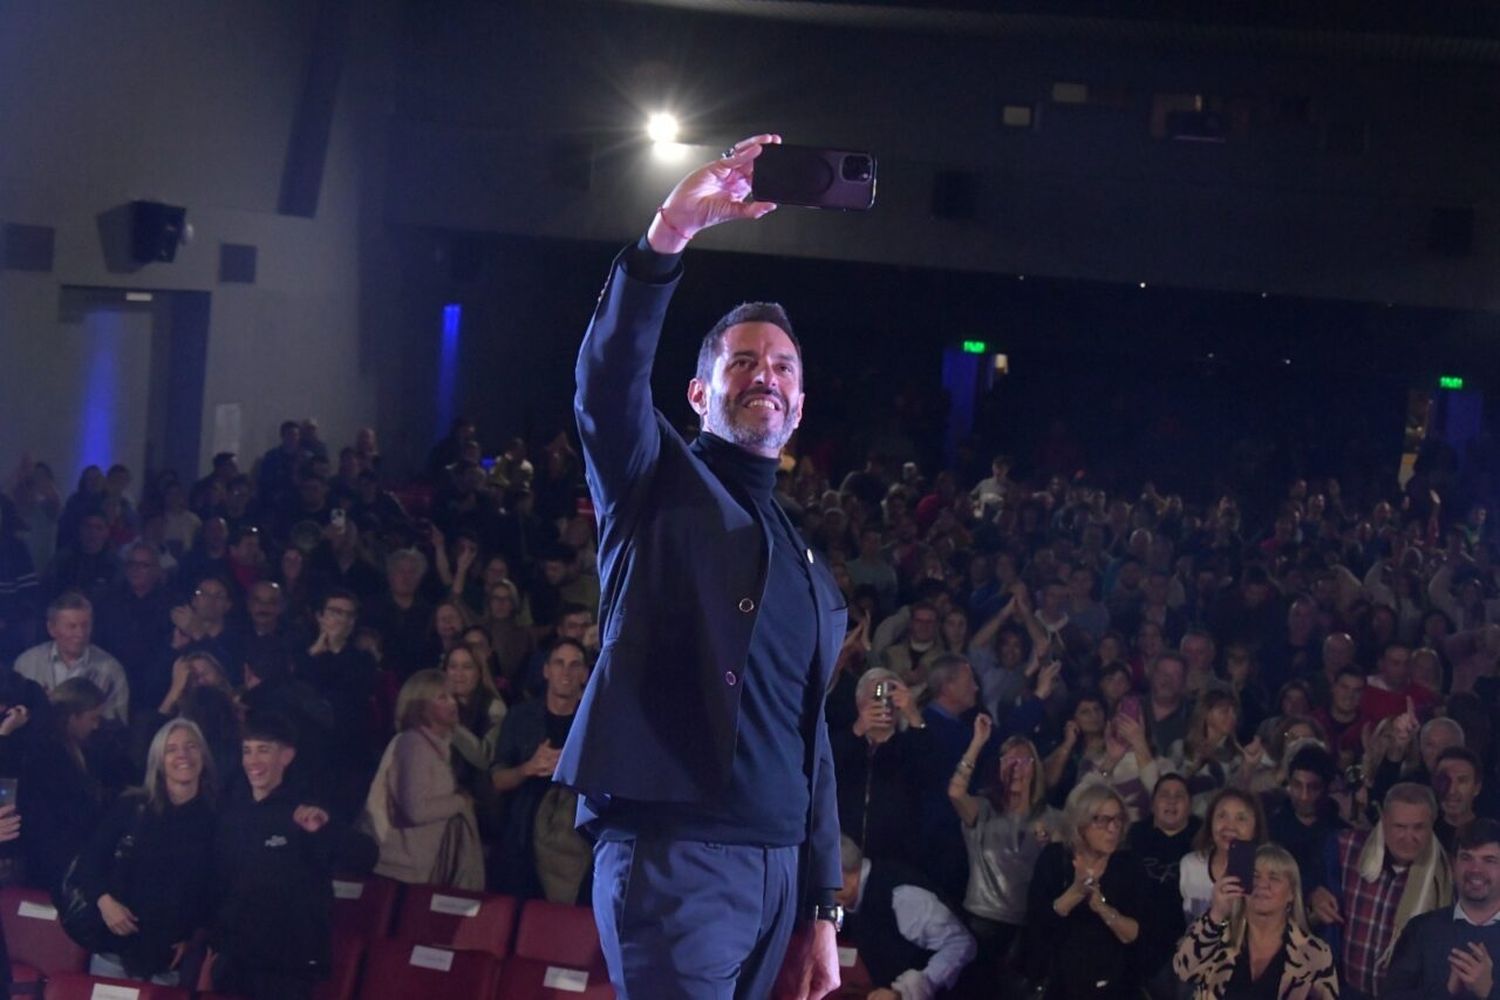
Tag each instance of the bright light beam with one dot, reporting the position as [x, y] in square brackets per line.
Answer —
[662, 127]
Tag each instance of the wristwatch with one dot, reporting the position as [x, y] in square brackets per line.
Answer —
[834, 914]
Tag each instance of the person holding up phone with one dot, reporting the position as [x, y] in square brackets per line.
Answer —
[1256, 943]
[700, 750]
[1234, 816]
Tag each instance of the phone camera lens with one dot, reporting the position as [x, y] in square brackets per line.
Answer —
[855, 168]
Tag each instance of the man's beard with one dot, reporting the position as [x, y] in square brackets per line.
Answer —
[727, 419]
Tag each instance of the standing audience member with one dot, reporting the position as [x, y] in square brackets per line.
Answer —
[60, 792]
[1085, 904]
[1005, 829]
[1307, 815]
[876, 762]
[423, 823]
[1160, 842]
[147, 867]
[1257, 943]
[1232, 815]
[1446, 953]
[1377, 881]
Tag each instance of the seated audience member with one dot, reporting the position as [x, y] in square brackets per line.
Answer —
[190, 673]
[876, 762]
[481, 710]
[204, 624]
[1341, 718]
[1456, 782]
[541, 853]
[89, 564]
[449, 620]
[60, 791]
[1241, 673]
[210, 557]
[912, 656]
[147, 866]
[1005, 828]
[424, 825]
[265, 605]
[1257, 943]
[1085, 904]
[911, 942]
[1376, 881]
[1159, 842]
[403, 617]
[1447, 953]
[69, 654]
[1232, 815]
[511, 639]
[1307, 815]
[274, 858]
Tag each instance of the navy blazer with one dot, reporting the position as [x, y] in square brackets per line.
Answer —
[682, 569]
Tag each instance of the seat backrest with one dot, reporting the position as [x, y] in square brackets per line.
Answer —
[343, 972]
[34, 935]
[364, 905]
[80, 986]
[464, 921]
[560, 934]
[397, 970]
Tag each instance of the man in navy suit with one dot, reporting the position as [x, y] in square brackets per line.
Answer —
[700, 750]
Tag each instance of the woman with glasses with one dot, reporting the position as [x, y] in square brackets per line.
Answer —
[1085, 902]
[1256, 944]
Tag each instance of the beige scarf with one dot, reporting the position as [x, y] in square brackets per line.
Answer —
[1429, 883]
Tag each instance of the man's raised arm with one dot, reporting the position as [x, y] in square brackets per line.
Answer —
[616, 416]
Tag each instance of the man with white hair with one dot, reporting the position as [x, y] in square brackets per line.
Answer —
[876, 762]
[70, 653]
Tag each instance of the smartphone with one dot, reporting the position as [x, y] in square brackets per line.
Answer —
[8, 788]
[1131, 705]
[883, 694]
[814, 178]
[1242, 863]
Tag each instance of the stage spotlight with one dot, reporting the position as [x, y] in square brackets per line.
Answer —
[662, 128]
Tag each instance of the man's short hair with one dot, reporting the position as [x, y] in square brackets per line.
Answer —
[745, 312]
[289, 425]
[574, 608]
[68, 600]
[945, 667]
[338, 594]
[1412, 794]
[1165, 656]
[558, 643]
[1442, 722]
[1477, 833]
[1463, 754]
[269, 727]
[75, 696]
[1315, 759]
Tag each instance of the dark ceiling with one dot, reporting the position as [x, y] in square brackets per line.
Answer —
[1455, 33]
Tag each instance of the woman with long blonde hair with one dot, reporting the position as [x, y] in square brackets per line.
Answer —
[1254, 936]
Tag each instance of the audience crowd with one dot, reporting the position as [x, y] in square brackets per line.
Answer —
[1086, 744]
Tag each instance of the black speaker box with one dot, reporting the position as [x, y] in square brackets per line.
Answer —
[155, 231]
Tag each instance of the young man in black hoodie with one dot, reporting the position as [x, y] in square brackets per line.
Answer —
[275, 856]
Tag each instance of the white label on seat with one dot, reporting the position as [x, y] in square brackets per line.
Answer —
[103, 991]
[455, 906]
[432, 958]
[348, 890]
[847, 957]
[37, 911]
[571, 980]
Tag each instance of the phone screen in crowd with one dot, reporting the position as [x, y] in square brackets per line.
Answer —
[1242, 863]
[8, 788]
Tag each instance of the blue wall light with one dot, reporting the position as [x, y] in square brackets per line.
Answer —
[447, 374]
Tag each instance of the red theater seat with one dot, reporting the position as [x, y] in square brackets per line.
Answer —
[343, 972]
[397, 970]
[364, 905]
[78, 986]
[463, 921]
[557, 956]
[39, 947]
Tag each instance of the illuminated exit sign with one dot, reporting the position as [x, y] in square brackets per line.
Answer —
[980, 347]
[1444, 381]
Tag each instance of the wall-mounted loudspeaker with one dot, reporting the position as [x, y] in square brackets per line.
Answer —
[155, 231]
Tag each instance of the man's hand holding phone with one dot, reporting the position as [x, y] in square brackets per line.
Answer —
[714, 193]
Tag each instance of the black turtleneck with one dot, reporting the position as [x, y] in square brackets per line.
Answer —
[769, 794]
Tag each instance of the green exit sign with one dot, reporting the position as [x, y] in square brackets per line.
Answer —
[976, 347]
[1450, 382]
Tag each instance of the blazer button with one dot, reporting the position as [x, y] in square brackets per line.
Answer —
[730, 678]
[747, 605]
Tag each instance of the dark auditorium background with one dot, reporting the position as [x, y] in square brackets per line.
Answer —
[1333, 249]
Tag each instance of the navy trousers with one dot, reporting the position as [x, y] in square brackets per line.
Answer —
[685, 920]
